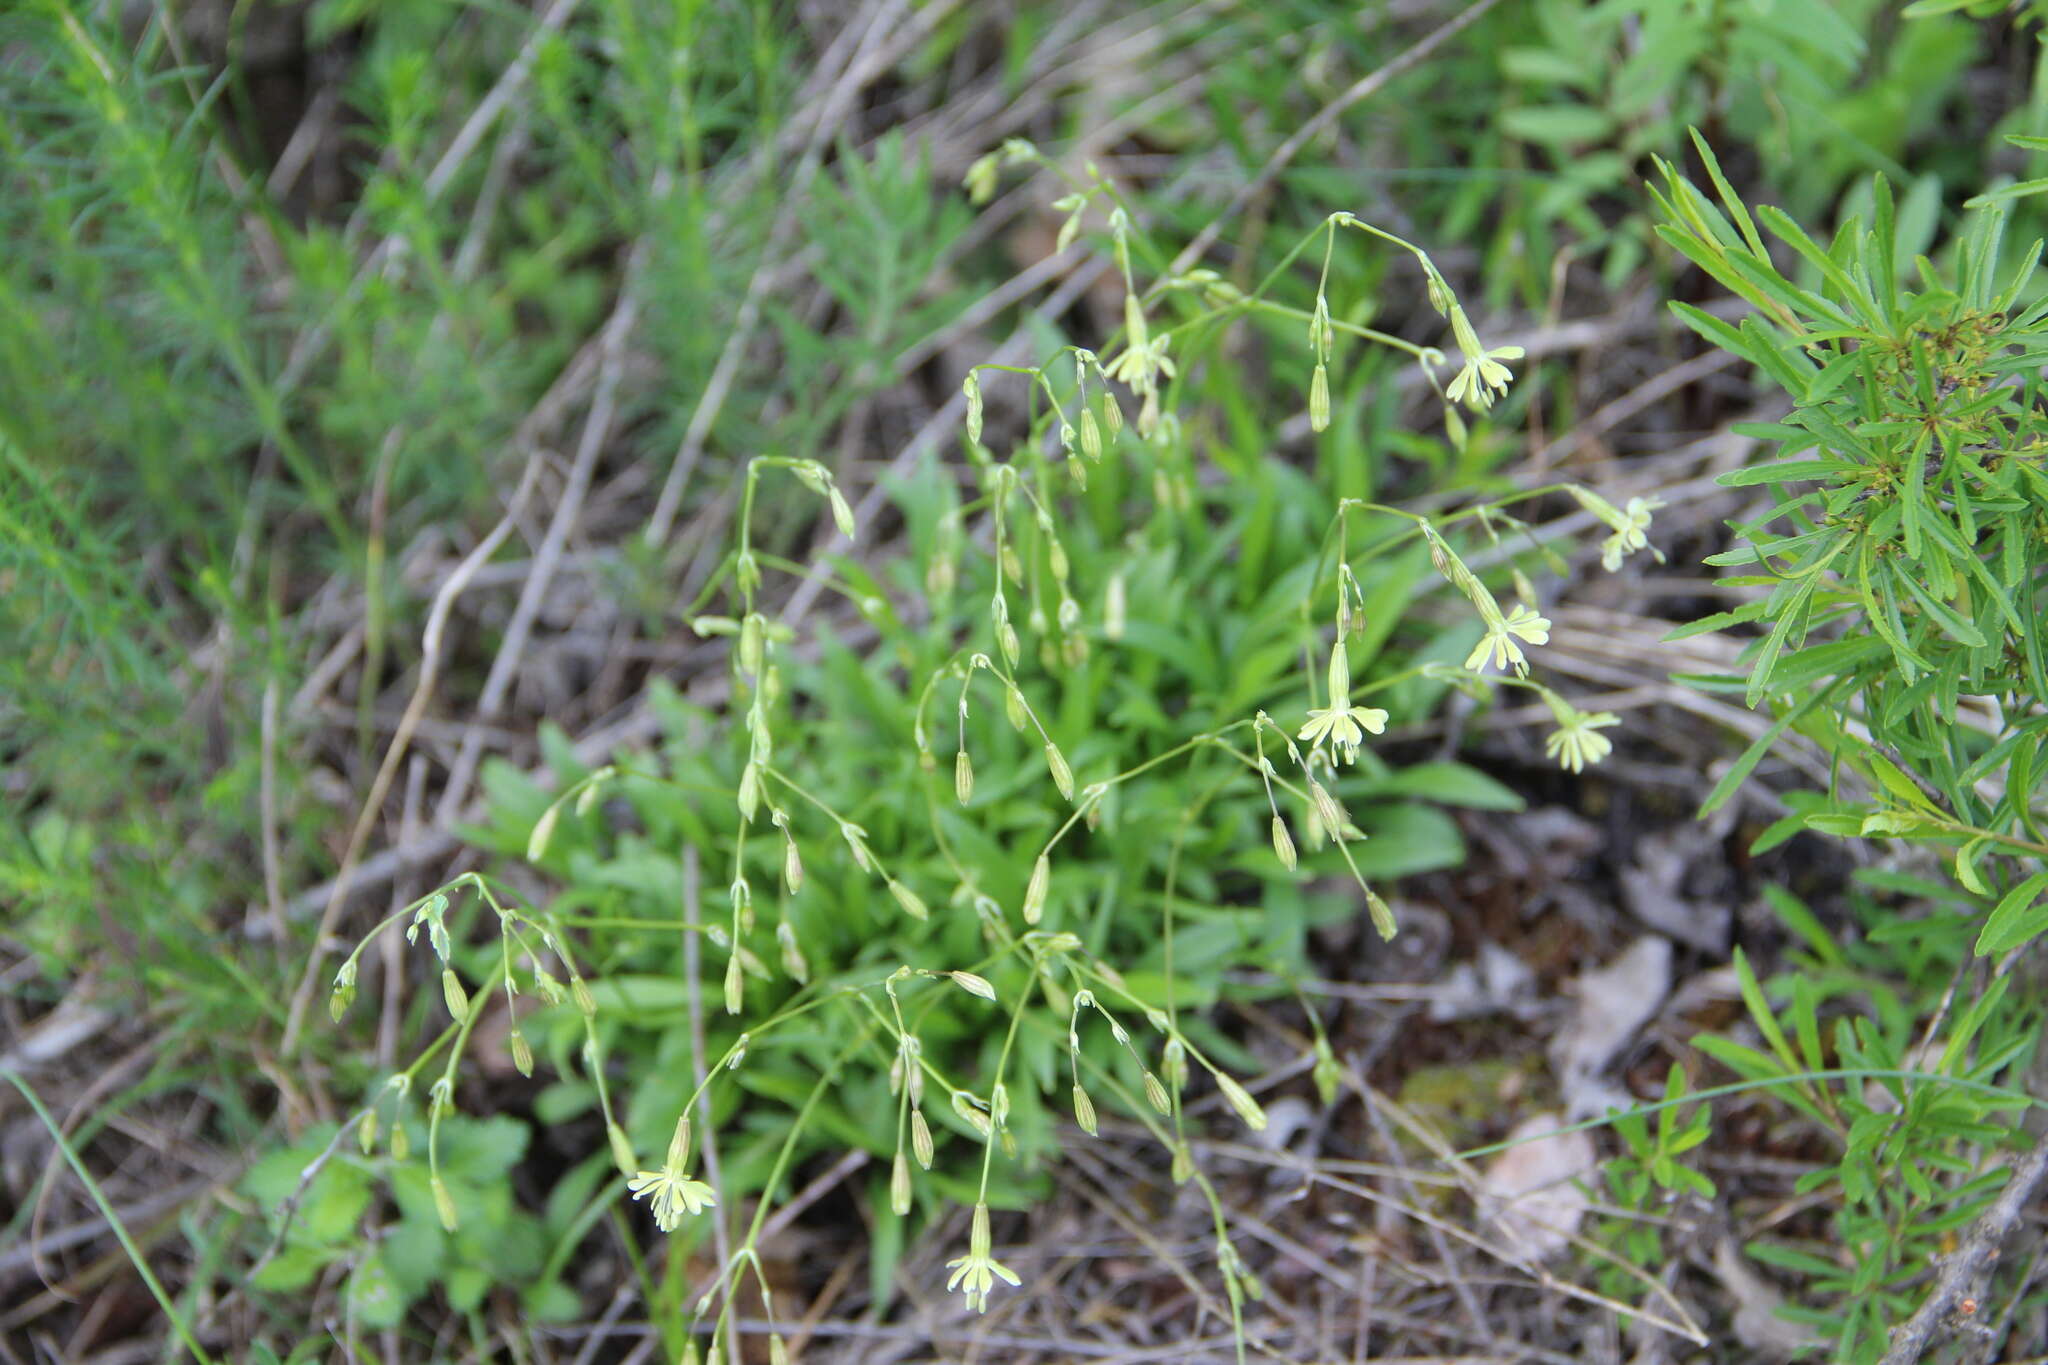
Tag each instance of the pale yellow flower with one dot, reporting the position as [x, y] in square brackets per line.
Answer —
[1483, 376]
[1629, 533]
[1142, 363]
[1501, 634]
[671, 1194]
[976, 1273]
[1345, 726]
[1577, 741]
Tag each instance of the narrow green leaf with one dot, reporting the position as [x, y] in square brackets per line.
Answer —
[1733, 779]
[2016, 919]
[2007, 193]
[1730, 200]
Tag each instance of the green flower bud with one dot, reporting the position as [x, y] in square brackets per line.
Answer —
[543, 830]
[1062, 775]
[899, 1186]
[1283, 844]
[793, 961]
[971, 1113]
[1034, 892]
[593, 788]
[974, 985]
[1091, 435]
[750, 651]
[971, 386]
[748, 798]
[444, 1203]
[456, 997]
[980, 181]
[920, 1139]
[1084, 1111]
[913, 906]
[679, 1144]
[1241, 1100]
[1326, 1073]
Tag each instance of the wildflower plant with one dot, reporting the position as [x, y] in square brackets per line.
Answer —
[935, 956]
[1106, 700]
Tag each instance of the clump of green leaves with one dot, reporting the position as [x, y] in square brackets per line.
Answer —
[1815, 94]
[1917, 1104]
[929, 896]
[1896, 591]
[318, 1191]
[1898, 566]
[1645, 1182]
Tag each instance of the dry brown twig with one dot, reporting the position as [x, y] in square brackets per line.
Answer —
[430, 661]
[1961, 1271]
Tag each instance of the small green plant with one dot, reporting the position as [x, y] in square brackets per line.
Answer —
[1916, 1120]
[1898, 566]
[319, 1190]
[1644, 1183]
[1895, 587]
[986, 871]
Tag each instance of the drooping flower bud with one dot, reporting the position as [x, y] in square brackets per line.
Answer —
[899, 1186]
[1062, 775]
[1035, 891]
[1283, 844]
[971, 386]
[1241, 1100]
[456, 997]
[1084, 1111]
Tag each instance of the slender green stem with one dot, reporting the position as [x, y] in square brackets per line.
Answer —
[106, 1208]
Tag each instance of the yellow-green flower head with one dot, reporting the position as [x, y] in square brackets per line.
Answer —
[1142, 362]
[1499, 645]
[1630, 533]
[1577, 741]
[976, 1273]
[671, 1194]
[1345, 726]
[1483, 376]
